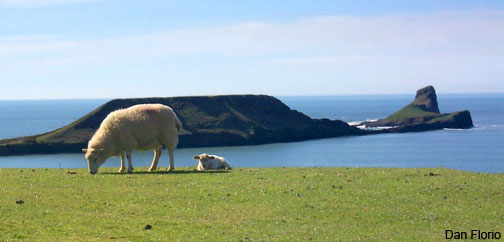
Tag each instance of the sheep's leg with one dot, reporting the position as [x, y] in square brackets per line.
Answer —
[130, 165]
[172, 162]
[157, 154]
[200, 167]
[123, 167]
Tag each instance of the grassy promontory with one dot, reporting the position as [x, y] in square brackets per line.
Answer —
[248, 204]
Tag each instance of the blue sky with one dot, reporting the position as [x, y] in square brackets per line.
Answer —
[61, 49]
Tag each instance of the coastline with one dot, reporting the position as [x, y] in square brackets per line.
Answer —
[230, 120]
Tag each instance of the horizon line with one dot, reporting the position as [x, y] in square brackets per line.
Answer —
[277, 96]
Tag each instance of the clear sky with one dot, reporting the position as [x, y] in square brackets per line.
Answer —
[65, 49]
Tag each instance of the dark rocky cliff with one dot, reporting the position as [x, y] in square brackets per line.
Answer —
[211, 120]
[426, 100]
[423, 115]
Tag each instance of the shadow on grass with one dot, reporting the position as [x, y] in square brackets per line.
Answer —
[176, 172]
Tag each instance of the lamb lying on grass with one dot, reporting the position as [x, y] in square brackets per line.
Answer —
[140, 127]
[211, 162]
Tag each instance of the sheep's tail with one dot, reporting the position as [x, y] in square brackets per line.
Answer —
[178, 124]
[180, 130]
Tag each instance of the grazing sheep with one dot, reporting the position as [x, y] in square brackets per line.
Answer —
[140, 127]
[211, 162]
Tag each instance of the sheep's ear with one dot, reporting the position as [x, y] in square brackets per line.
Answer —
[211, 157]
[196, 157]
[84, 150]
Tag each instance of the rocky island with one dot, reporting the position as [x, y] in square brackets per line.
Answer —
[422, 115]
[233, 120]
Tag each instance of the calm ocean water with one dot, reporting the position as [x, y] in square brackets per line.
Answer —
[479, 149]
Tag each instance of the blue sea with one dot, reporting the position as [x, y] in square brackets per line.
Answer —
[480, 149]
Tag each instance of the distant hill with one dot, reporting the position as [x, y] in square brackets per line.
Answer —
[208, 121]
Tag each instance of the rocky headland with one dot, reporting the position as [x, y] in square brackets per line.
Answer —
[422, 115]
[234, 120]
[230, 120]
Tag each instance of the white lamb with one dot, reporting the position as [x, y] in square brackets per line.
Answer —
[140, 127]
[211, 162]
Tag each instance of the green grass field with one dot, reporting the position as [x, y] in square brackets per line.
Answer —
[263, 204]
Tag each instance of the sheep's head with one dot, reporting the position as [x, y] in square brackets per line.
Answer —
[204, 159]
[95, 158]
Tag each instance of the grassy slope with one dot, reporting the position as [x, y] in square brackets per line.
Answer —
[442, 118]
[410, 111]
[290, 204]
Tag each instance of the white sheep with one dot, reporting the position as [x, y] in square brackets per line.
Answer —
[211, 162]
[140, 127]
